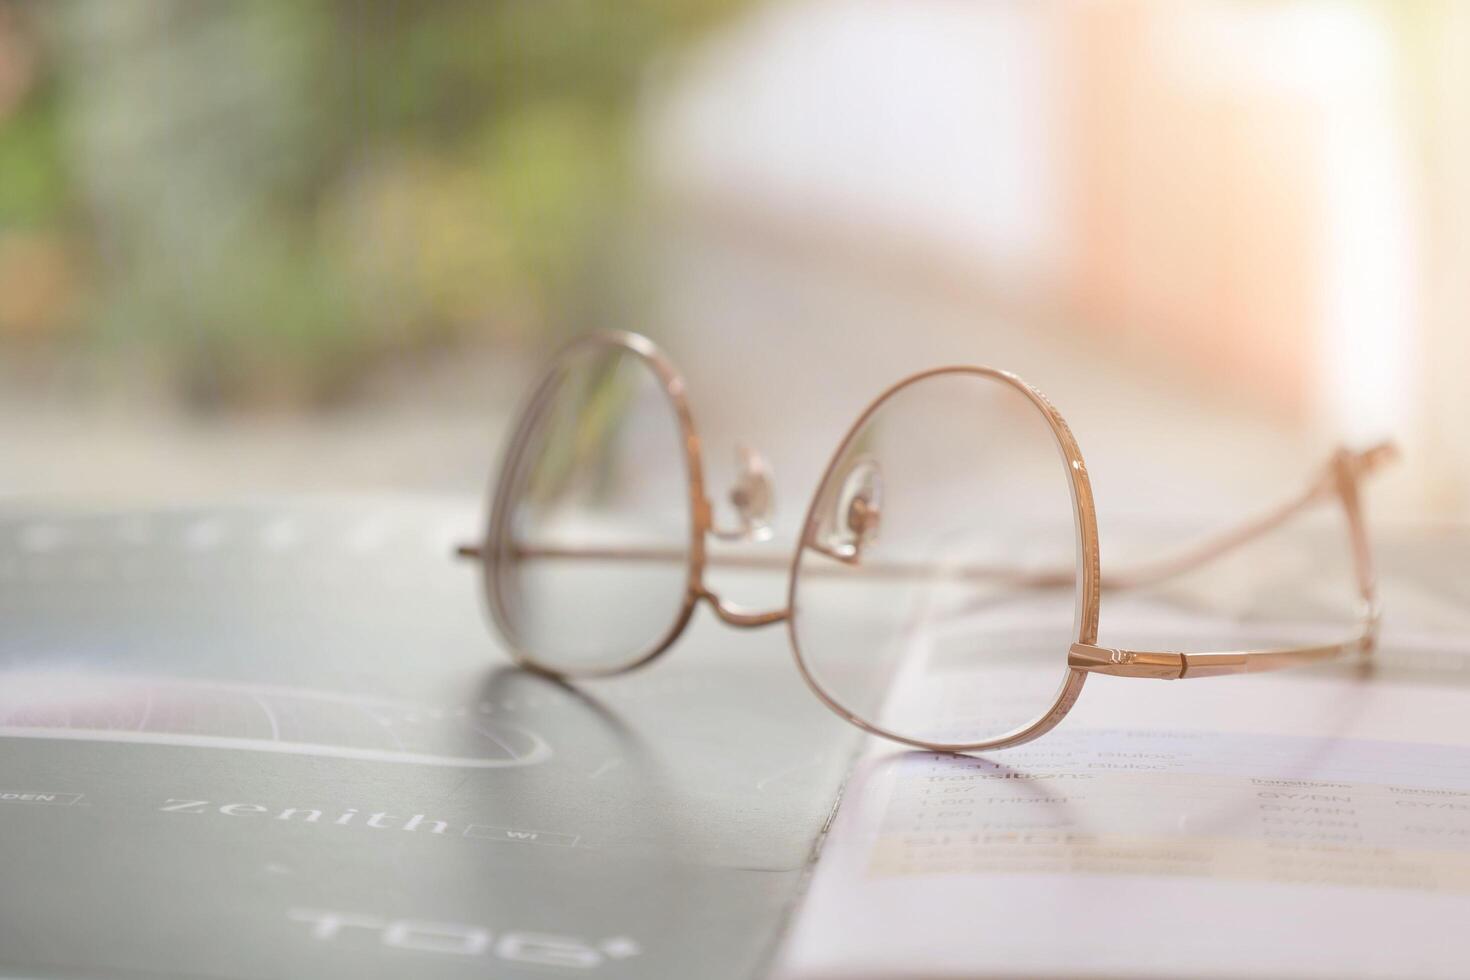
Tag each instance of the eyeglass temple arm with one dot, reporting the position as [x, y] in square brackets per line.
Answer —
[1345, 464]
[1179, 666]
[1341, 479]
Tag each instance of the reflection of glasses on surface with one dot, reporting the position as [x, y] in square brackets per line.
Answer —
[934, 589]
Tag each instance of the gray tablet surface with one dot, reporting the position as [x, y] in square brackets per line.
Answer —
[281, 742]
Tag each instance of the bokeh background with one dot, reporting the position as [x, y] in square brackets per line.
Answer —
[287, 247]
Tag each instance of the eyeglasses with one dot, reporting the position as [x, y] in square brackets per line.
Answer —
[945, 587]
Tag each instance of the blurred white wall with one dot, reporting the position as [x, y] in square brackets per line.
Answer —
[1196, 225]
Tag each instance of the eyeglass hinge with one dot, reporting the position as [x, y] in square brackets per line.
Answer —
[1126, 663]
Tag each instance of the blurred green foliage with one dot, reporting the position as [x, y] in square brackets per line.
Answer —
[270, 197]
[33, 190]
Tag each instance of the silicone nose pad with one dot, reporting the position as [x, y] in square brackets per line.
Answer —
[753, 495]
[857, 511]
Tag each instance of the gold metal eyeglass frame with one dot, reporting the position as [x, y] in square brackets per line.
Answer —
[1340, 480]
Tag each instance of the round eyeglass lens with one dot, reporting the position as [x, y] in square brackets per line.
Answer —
[588, 564]
[936, 592]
